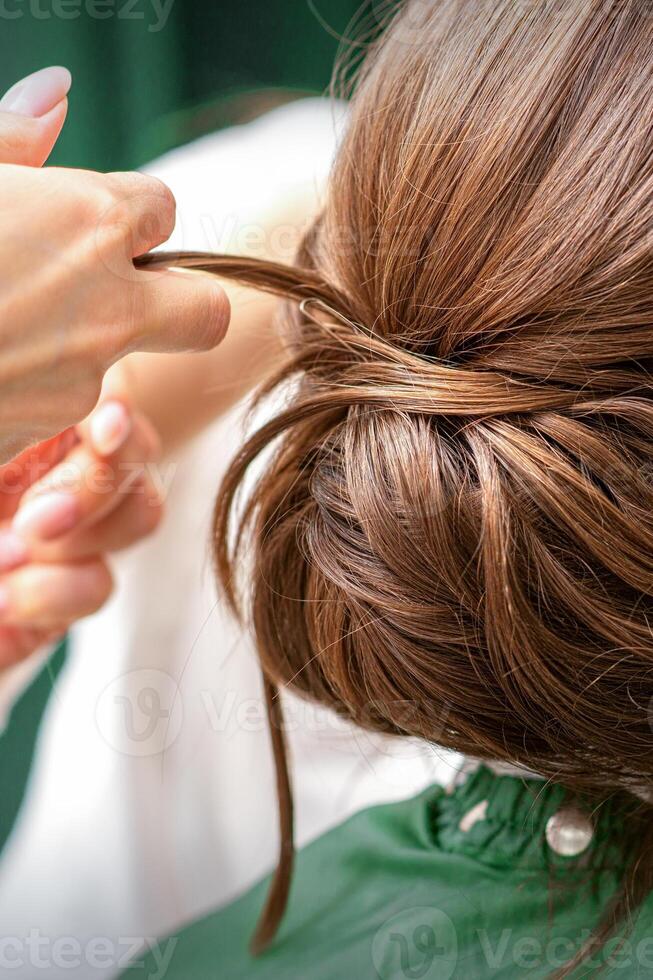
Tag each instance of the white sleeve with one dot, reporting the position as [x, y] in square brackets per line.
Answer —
[225, 183]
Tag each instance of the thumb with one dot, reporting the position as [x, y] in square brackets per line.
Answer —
[32, 114]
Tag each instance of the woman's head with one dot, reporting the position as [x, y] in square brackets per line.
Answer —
[454, 536]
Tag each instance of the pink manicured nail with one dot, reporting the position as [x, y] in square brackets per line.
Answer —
[13, 551]
[110, 426]
[46, 516]
[38, 93]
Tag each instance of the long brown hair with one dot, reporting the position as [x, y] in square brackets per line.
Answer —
[458, 511]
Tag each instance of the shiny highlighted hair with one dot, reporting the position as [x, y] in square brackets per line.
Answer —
[458, 510]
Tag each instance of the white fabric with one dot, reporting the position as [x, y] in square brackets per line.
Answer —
[136, 822]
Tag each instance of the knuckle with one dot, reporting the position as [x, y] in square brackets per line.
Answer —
[122, 183]
[163, 195]
[135, 184]
[86, 205]
[157, 213]
[110, 208]
[144, 206]
[95, 193]
[116, 192]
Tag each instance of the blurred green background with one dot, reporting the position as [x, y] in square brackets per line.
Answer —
[150, 74]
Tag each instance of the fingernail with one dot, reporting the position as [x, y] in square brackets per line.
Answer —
[13, 551]
[110, 426]
[46, 516]
[38, 93]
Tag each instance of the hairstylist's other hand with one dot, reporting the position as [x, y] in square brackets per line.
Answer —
[63, 506]
[71, 301]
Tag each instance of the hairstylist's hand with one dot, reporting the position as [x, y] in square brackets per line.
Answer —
[71, 301]
[94, 493]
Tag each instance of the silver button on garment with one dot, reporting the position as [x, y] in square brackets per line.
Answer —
[569, 831]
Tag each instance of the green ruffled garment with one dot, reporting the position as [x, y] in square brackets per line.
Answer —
[402, 892]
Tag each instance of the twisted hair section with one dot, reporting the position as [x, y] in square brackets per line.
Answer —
[453, 535]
